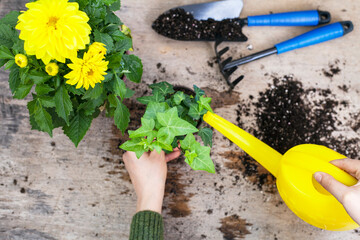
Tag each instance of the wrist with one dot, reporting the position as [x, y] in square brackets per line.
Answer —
[151, 202]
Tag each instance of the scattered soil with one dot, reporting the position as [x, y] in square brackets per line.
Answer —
[222, 99]
[176, 198]
[181, 25]
[251, 170]
[332, 70]
[233, 227]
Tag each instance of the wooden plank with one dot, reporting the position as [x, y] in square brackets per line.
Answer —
[51, 190]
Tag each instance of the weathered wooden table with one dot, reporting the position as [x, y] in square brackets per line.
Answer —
[51, 190]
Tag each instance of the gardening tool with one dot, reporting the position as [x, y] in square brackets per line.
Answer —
[319, 35]
[294, 173]
[197, 17]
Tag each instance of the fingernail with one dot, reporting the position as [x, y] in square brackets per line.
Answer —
[318, 177]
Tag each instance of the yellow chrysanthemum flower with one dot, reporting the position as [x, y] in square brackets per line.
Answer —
[52, 69]
[87, 71]
[21, 60]
[54, 29]
[97, 49]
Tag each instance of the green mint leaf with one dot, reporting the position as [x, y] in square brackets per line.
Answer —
[43, 119]
[204, 103]
[188, 142]
[94, 93]
[11, 18]
[153, 108]
[104, 38]
[79, 125]
[173, 125]
[43, 89]
[178, 97]
[5, 53]
[203, 160]
[133, 64]
[119, 87]
[7, 35]
[14, 79]
[206, 135]
[121, 116]
[147, 127]
[22, 91]
[156, 97]
[190, 156]
[163, 87]
[63, 103]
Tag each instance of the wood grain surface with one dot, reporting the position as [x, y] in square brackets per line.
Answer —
[51, 190]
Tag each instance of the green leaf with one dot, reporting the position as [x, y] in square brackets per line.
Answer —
[3, 62]
[119, 87]
[94, 93]
[91, 105]
[115, 6]
[147, 127]
[206, 135]
[43, 118]
[38, 77]
[133, 64]
[79, 125]
[198, 93]
[11, 18]
[173, 125]
[188, 142]
[156, 97]
[7, 35]
[14, 79]
[153, 108]
[190, 156]
[123, 42]
[203, 160]
[47, 101]
[31, 108]
[63, 103]
[5, 53]
[121, 116]
[195, 112]
[163, 87]
[43, 89]
[18, 46]
[134, 145]
[22, 91]
[9, 64]
[109, 2]
[112, 18]
[115, 60]
[104, 38]
[204, 103]
[178, 97]
[129, 93]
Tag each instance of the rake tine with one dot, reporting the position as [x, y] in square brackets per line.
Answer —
[223, 51]
[234, 83]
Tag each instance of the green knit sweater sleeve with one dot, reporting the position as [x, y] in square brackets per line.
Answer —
[147, 225]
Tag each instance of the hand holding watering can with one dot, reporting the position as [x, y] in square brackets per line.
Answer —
[295, 178]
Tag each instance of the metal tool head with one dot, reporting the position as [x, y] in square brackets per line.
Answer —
[218, 10]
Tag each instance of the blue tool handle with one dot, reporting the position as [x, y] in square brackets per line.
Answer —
[316, 36]
[301, 18]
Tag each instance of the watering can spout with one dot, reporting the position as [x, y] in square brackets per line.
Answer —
[268, 157]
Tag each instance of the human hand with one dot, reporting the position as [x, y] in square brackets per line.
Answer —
[148, 175]
[349, 197]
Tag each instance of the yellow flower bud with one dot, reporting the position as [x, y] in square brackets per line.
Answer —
[21, 60]
[97, 49]
[125, 30]
[52, 69]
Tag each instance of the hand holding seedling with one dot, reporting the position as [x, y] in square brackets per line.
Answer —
[148, 175]
[347, 196]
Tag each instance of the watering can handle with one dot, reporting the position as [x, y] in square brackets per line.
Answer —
[268, 157]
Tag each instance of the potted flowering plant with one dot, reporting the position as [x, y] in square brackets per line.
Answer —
[170, 120]
[74, 53]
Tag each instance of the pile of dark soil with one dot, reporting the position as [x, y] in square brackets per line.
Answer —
[181, 25]
[287, 115]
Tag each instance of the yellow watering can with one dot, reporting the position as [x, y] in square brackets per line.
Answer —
[294, 176]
